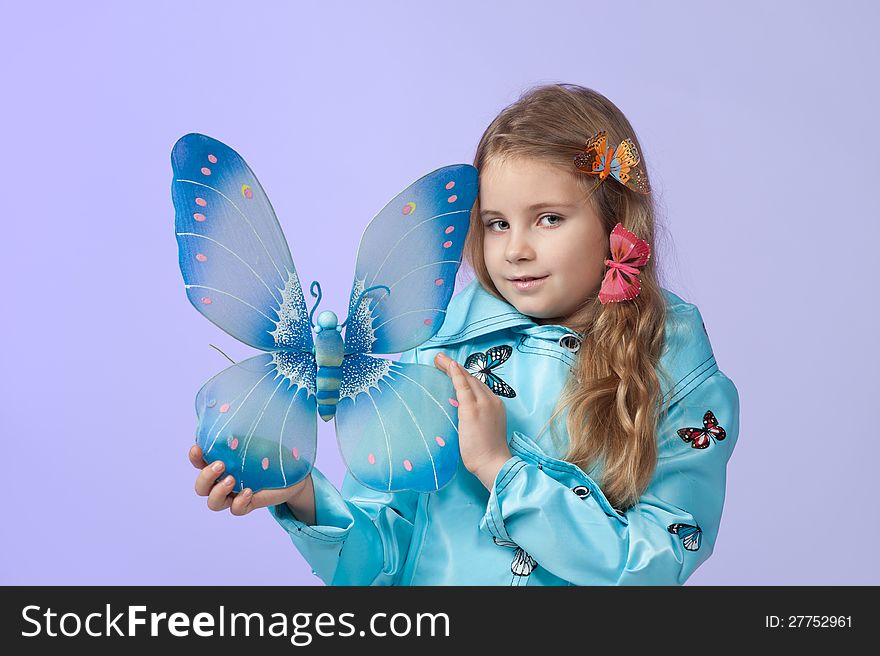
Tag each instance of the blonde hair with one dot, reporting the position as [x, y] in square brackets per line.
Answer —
[612, 396]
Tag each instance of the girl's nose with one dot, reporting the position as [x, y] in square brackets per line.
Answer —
[518, 249]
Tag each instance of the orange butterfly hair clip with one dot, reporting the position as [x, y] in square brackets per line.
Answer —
[620, 163]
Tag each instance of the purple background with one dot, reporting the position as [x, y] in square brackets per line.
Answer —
[758, 123]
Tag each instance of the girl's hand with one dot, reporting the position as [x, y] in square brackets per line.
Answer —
[482, 423]
[221, 497]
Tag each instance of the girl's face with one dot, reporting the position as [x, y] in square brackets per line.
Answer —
[538, 224]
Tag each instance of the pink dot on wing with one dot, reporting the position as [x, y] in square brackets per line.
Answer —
[371, 459]
[224, 407]
[453, 403]
[452, 198]
[212, 159]
[295, 453]
[201, 257]
[206, 170]
[407, 465]
[447, 244]
[198, 216]
[440, 441]
[234, 443]
[450, 185]
[438, 281]
[201, 202]
[449, 229]
[265, 463]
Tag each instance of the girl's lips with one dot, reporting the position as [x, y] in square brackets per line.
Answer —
[524, 285]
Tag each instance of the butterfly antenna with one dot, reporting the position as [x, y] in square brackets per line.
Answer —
[312, 287]
[360, 298]
[222, 353]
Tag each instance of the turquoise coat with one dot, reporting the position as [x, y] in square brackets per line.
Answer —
[545, 522]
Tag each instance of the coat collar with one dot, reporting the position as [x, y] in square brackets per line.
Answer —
[687, 356]
[474, 312]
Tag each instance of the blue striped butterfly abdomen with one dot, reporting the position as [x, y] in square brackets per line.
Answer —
[329, 353]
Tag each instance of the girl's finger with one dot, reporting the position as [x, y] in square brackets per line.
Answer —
[464, 392]
[479, 389]
[218, 498]
[195, 457]
[209, 475]
[241, 504]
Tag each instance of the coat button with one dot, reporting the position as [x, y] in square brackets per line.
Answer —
[570, 343]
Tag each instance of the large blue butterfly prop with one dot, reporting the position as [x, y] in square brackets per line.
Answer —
[396, 423]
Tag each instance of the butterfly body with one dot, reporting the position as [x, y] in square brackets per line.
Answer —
[329, 354]
[396, 422]
[606, 164]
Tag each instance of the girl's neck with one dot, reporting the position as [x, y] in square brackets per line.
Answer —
[580, 321]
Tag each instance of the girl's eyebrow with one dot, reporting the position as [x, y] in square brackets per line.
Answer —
[539, 206]
[532, 208]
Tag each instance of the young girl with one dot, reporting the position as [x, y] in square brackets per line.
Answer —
[594, 424]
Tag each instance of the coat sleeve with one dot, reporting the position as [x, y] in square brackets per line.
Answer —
[361, 536]
[559, 515]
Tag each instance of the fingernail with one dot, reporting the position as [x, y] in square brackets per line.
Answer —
[217, 466]
[228, 480]
[248, 492]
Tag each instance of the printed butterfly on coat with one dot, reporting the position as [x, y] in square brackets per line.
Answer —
[523, 564]
[620, 163]
[395, 422]
[480, 366]
[699, 437]
[690, 535]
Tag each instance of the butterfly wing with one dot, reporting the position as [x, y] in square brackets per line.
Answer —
[413, 247]
[696, 436]
[624, 167]
[710, 425]
[233, 256]
[497, 355]
[475, 365]
[691, 536]
[592, 158]
[523, 564]
[396, 424]
[629, 249]
[618, 286]
[501, 542]
[498, 386]
[258, 417]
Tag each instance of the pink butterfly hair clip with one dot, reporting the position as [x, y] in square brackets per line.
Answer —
[628, 254]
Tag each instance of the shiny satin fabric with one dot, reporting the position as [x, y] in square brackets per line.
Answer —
[545, 522]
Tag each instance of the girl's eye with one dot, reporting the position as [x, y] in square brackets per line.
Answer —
[557, 219]
[493, 225]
